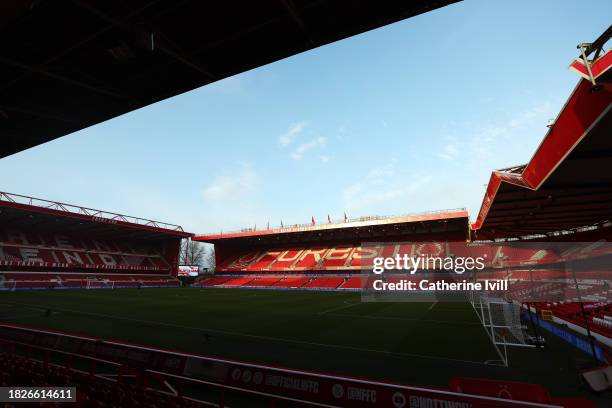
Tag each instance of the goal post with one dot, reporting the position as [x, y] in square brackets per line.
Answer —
[501, 320]
[100, 284]
[505, 322]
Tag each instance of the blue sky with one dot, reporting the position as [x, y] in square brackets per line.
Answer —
[407, 118]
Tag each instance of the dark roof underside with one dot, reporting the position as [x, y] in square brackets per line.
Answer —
[52, 222]
[66, 65]
[577, 193]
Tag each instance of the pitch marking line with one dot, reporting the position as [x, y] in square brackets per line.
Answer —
[268, 338]
[346, 305]
[405, 319]
[220, 293]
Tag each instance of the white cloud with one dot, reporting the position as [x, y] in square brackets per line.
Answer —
[410, 188]
[232, 86]
[482, 145]
[232, 186]
[294, 130]
[491, 140]
[232, 200]
[319, 142]
[530, 115]
[449, 152]
[345, 132]
[383, 186]
[381, 174]
[351, 192]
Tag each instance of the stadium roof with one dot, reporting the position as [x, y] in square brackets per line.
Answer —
[41, 214]
[567, 184]
[69, 64]
[364, 228]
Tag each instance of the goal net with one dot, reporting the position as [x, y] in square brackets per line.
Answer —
[100, 284]
[501, 320]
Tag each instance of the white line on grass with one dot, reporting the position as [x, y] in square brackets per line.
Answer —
[482, 323]
[346, 305]
[267, 338]
[405, 319]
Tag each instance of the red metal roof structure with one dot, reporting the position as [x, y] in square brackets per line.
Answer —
[358, 229]
[41, 214]
[567, 184]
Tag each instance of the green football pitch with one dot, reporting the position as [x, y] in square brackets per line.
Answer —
[411, 343]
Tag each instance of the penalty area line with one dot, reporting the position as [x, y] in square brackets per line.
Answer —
[346, 305]
[403, 319]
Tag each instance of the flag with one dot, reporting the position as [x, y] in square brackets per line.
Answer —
[345, 217]
[328, 218]
[313, 220]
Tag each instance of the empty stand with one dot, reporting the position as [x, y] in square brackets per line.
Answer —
[92, 391]
[286, 260]
[239, 281]
[54, 280]
[353, 282]
[349, 258]
[31, 249]
[263, 281]
[286, 282]
[212, 281]
[325, 282]
[292, 281]
[264, 260]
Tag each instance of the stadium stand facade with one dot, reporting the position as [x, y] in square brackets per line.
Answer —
[325, 257]
[50, 245]
[554, 275]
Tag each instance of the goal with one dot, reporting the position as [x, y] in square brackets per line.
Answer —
[100, 284]
[501, 320]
